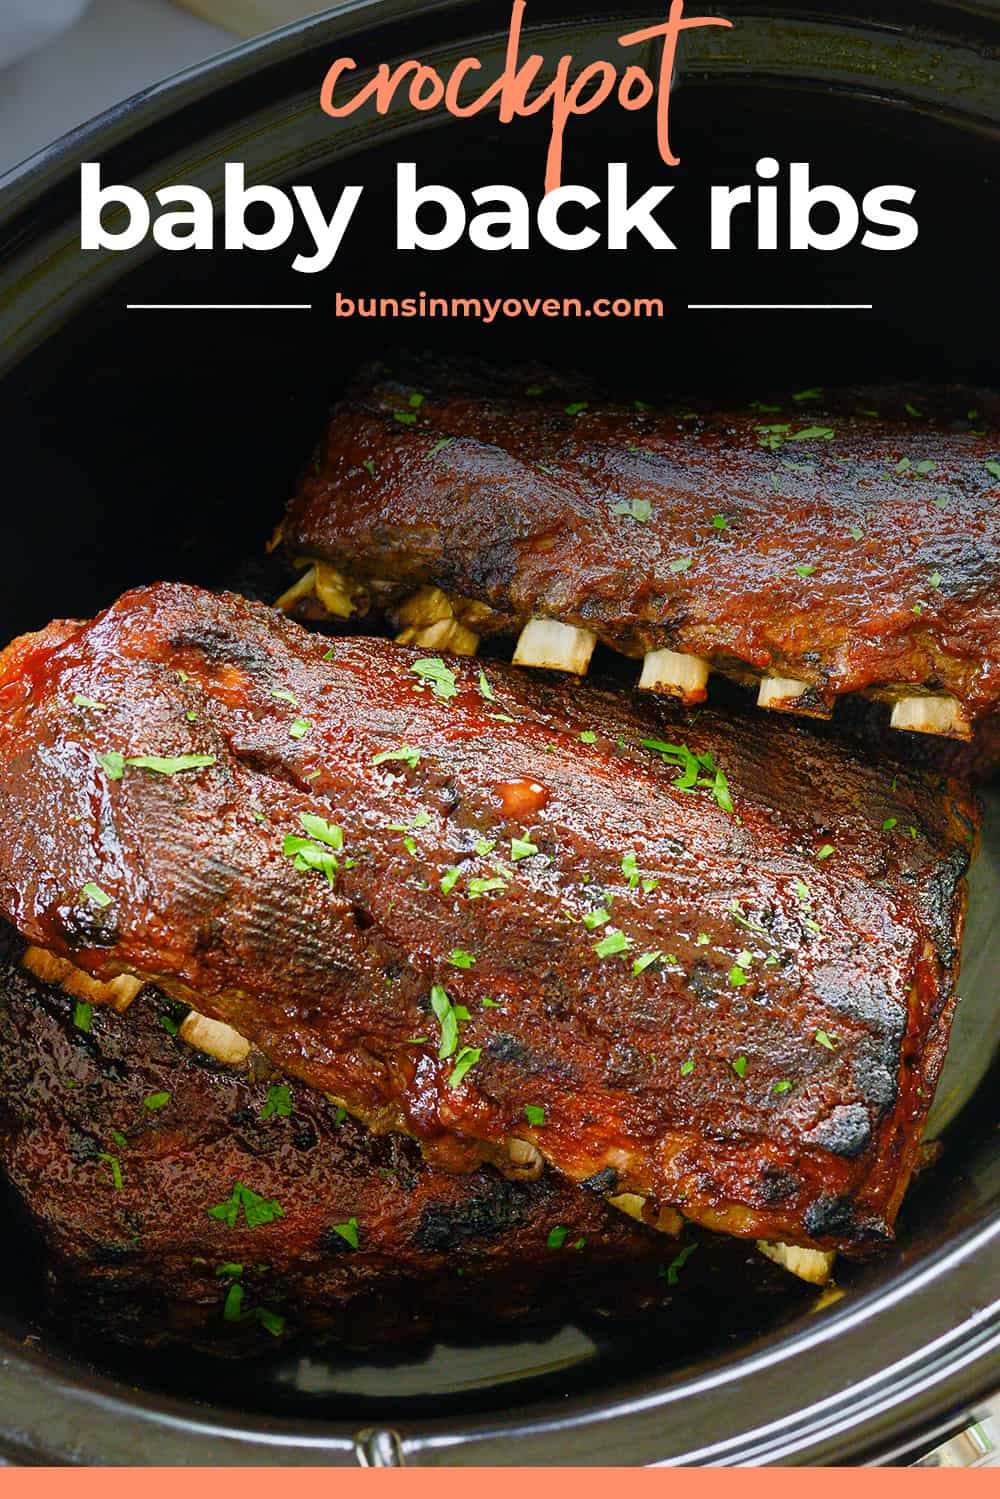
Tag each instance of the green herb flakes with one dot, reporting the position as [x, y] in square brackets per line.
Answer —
[440, 676]
[80, 700]
[680, 564]
[256, 1210]
[557, 1236]
[96, 895]
[348, 1231]
[284, 696]
[169, 765]
[459, 958]
[448, 1020]
[278, 1103]
[485, 690]
[739, 1066]
[823, 1039]
[535, 1114]
[610, 945]
[522, 848]
[116, 1168]
[450, 879]
[783, 1085]
[687, 1067]
[805, 569]
[82, 1015]
[467, 1058]
[677, 1264]
[825, 851]
[406, 753]
[113, 765]
[737, 977]
[154, 1101]
[646, 961]
[232, 1309]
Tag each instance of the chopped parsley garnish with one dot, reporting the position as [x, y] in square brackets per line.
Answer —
[783, 1085]
[696, 770]
[993, 467]
[823, 1039]
[535, 1114]
[856, 533]
[646, 961]
[441, 677]
[96, 894]
[737, 977]
[450, 879]
[889, 824]
[169, 765]
[637, 508]
[677, 1264]
[369, 466]
[448, 1020]
[467, 1057]
[805, 569]
[230, 1268]
[935, 579]
[720, 522]
[680, 564]
[557, 1236]
[687, 1067]
[485, 846]
[702, 939]
[80, 700]
[169, 1024]
[459, 958]
[588, 737]
[825, 851]
[271, 1322]
[417, 400]
[278, 1102]
[284, 696]
[316, 851]
[405, 753]
[479, 887]
[485, 690]
[154, 1101]
[406, 417]
[630, 869]
[440, 445]
[814, 393]
[300, 728]
[593, 919]
[740, 1066]
[82, 1015]
[613, 943]
[113, 765]
[232, 1309]
[116, 1168]
[809, 432]
[522, 848]
[256, 1210]
[348, 1231]
[575, 407]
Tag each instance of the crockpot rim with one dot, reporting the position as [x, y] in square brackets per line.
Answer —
[800, 1436]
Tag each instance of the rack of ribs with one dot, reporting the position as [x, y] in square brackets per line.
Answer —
[815, 547]
[126, 1146]
[703, 963]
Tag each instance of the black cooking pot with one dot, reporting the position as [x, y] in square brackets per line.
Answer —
[142, 445]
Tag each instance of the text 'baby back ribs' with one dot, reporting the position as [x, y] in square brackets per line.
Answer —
[817, 546]
[708, 963]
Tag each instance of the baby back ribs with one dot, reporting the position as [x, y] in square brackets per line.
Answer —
[126, 1147]
[709, 962]
[820, 546]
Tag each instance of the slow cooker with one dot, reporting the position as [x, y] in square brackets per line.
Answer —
[140, 444]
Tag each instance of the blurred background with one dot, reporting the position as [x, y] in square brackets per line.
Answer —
[64, 61]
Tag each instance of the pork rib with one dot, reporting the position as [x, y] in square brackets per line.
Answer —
[824, 546]
[707, 962]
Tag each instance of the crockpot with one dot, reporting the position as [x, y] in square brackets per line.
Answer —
[141, 444]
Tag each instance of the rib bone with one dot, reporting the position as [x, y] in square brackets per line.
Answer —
[117, 992]
[786, 695]
[931, 715]
[559, 647]
[813, 1265]
[683, 676]
[667, 1221]
[429, 620]
[332, 588]
[214, 1038]
[525, 1158]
